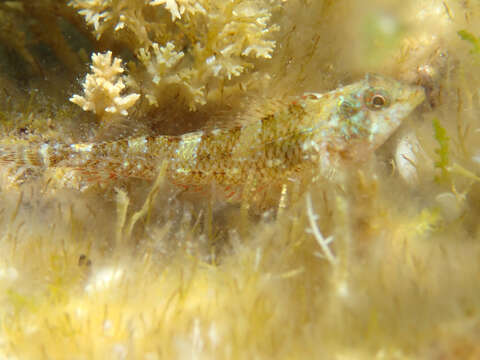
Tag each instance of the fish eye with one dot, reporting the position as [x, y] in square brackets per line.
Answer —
[376, 99]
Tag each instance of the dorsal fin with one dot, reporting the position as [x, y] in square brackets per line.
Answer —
[252, 111]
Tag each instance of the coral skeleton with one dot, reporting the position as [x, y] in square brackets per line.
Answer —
[204, 45]
[103, 88]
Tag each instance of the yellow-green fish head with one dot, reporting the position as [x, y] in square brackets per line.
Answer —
[369, 111]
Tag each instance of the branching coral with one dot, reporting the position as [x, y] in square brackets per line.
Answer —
[187, 47]
[112, 16]
[103, 88]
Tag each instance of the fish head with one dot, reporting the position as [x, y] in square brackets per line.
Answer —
[369, 111]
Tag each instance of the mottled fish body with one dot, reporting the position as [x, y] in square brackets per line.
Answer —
[312, 132]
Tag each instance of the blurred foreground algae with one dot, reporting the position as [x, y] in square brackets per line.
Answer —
[381, 263]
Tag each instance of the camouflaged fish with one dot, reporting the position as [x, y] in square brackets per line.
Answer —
[314, 131]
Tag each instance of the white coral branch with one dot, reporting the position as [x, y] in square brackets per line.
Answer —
[178, 7]
[170, 5]
[103, 88]
[95, 12]
[162, 59]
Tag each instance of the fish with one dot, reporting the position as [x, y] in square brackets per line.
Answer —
[314, 132]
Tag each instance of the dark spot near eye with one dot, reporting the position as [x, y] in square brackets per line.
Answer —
[348, 109]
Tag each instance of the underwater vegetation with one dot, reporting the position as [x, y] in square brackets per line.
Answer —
[374, 257]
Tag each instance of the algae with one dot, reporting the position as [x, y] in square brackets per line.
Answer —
[380, 263]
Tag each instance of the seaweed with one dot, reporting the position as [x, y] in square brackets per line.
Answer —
[472, 39]
[443, 161]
